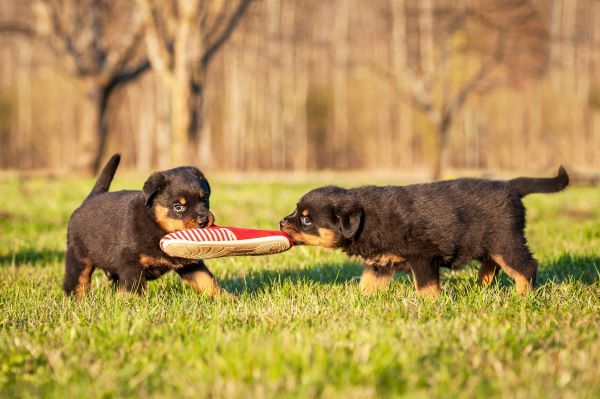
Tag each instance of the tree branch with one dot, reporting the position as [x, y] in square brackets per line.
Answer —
[119, 60]
[472, 84]
[129, 75]
[234, 20]
[18, 28]
[219, 21]
[417, 94]
[158, 53]
[59, 34]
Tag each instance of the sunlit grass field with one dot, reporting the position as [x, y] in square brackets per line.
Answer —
[300, 327]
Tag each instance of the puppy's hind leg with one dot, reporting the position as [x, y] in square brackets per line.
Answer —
[487, 271]
[519, 264]
[78, 274]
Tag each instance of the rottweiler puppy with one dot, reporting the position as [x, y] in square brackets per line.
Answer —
[420, 228]
[119, 232]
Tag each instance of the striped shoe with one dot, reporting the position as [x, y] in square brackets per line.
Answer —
[216, 242]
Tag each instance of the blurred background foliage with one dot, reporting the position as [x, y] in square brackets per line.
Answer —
[300, 85]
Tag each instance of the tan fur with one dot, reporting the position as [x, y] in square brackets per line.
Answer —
[166, 223]
[523, 284]
[211, 219]
[182, 200]
[204, 282]
[169, 225]
[327, 238]
[85, 280]
[372, 282]
[305, 212]
[150, 261]
[430, 290]
[488, 270]
[384, 260]
[191, 224]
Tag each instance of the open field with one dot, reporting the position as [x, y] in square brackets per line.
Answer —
[300, 327]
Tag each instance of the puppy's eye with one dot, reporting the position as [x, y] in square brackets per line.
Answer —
[305, 220]
[178, 208]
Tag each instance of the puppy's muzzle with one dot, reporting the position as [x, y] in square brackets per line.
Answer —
[287, 228]
[206, 220]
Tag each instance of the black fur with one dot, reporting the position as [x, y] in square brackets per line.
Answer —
[528, 185]
[106, 176]
[119, 232]
[423, 227]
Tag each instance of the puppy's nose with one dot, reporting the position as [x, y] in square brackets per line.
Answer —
[202, 221]
[281, 224]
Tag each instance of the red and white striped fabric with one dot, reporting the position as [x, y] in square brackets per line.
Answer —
[216, 242]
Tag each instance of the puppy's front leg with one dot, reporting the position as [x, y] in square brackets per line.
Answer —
[131, 280]
[427, 278]
[375, 278]
[202, 280]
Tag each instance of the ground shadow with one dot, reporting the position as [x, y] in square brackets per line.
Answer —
[585, 269]
[566, 268]
[31, 256]
[326, 274]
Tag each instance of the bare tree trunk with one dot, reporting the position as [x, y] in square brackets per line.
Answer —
[274, 51]
[24, 138]
[441, 151]
[426, 36]
[340, 112]
[145, 132]
[301, 82]
[95, 132]
[180, 121]
[400, 64]
[200, 129]
[163, 138]
[93, 125]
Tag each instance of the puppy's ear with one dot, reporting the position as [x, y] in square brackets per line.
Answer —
[349, 218]
[152, 186]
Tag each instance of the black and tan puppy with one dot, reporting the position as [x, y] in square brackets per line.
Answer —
[420, 228]
[119, 232]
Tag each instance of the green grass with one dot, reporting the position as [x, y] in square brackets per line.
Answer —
[300, 327]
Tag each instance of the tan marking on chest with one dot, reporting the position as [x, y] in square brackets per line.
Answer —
[151, 261]
[384, 259]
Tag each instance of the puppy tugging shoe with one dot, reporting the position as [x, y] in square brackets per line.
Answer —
[217, 242]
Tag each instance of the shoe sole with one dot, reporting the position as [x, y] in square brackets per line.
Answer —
[218, 249]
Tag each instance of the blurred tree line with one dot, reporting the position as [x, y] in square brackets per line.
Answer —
[300, 85]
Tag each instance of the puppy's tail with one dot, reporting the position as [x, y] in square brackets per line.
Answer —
[530, 185]
[106, 176]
